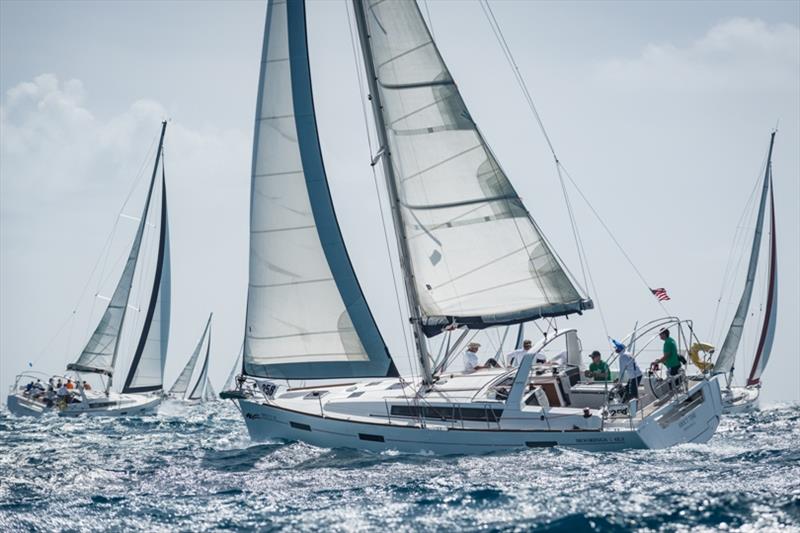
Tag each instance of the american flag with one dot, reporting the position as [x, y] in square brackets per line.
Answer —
[661, 294]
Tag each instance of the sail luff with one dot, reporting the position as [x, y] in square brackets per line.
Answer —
[95, 356]
[391, 186]
[159, 295]
[727, 355]
[770, 316]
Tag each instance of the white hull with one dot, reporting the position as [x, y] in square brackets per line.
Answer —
[95, 405]
[690, 417]
[737, 400]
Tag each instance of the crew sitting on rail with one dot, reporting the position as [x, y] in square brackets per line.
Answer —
[471, 359]
[515, 358]
[86, 386]
[598, 370]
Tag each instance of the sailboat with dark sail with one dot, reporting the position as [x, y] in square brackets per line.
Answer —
[199, 389]
[743, 398]
[315, 365]
[142, 371]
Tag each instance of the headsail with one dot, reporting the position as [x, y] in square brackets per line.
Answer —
[100, 352]
[184, 378]
[306, 314]
[146, 372]
[476, 254]
[727, 354]
[198, 391]
[770, 315]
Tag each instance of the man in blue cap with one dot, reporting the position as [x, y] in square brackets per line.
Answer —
[629, 372]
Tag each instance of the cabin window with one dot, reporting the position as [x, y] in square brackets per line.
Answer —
[298, 425]
[373, 438]
[315, 394]
[448, 413]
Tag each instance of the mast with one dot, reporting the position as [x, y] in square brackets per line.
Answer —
[388, 172]
[136, 258]
[725, 361]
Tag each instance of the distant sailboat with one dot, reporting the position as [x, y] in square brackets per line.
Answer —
[738, 399]
[143, 375]
[471, 256]
[200, 390]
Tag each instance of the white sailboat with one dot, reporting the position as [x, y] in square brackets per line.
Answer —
[471, 256]
[198, 390]
[738, 399]
[142, 372]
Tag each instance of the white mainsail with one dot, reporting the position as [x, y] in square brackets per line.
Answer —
[306, 314]
[181, 385]
[727, 354]
[477, 256]
[100, 352]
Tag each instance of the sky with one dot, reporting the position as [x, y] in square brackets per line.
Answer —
[660, 111]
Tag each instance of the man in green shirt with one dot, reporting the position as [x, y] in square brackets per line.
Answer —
[670, 357]
[598, 369]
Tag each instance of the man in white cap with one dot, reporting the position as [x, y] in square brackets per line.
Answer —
[515, 357]
[471, 359]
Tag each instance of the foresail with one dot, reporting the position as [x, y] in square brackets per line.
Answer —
[727, 354]
[209, 395]
[306, 315]
[771, 313]
[146, 371]
[182, 383]
[197, 391]
[101, 350]
[477, 256]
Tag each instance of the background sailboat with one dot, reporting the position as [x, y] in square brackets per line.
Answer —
[142, 370]
[744, 398]
[200, 388]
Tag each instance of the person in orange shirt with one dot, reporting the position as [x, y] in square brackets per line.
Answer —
[70, 385]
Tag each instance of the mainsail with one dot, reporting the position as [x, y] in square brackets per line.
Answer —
[100, 353]
[181, 385]
[306, 314]
[476, 256]
[727, 354]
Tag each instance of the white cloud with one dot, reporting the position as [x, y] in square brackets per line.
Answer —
[64, 173]
[739, 53]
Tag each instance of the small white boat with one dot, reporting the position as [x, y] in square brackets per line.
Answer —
[201, 391]
[143, 369]
[738, 398]
[315, 365]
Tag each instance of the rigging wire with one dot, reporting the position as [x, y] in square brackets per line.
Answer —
[373, 161]
[103, 255]
[498, 32]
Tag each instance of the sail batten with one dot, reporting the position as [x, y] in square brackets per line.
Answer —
[306, 314]
[475, 255]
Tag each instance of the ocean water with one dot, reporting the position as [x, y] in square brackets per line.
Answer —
[194, 468]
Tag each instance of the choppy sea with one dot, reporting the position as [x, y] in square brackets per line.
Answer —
[194, 468]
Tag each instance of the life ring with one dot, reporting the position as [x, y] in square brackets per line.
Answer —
[694, 355]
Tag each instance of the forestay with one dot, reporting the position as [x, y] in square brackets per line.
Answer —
[477, 256]
[306, 314]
